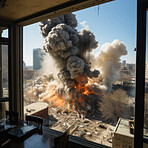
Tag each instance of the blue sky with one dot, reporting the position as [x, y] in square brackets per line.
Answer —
[114, 20]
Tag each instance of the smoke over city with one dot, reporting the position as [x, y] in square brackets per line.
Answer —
[78, 70]
[108, 62]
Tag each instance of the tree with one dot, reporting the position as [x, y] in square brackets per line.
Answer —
[116, 105]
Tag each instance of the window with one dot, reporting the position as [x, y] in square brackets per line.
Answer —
[91, 84]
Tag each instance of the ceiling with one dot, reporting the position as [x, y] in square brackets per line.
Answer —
[22, 10]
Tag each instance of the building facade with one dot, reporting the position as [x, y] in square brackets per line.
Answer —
[38, 55]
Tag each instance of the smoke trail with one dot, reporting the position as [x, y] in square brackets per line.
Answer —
[108, 61]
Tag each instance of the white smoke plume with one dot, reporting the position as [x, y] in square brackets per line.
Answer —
[108, 62]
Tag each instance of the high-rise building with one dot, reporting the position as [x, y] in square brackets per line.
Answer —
[38, 55]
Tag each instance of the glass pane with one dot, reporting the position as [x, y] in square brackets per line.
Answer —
[86, 77]
[4, 70]
[4, 32]
[146, 84]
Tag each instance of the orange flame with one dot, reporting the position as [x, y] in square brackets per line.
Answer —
[54, 99]
[84, 90]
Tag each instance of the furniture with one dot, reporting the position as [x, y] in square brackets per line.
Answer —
[22, 132]
[12, 117]
[62, 141]
[4, 129]
[34, 120]
[34, 141]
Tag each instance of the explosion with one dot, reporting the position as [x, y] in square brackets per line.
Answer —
[77, 82]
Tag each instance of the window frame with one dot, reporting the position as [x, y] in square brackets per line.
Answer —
[6, 41]
[139, 140]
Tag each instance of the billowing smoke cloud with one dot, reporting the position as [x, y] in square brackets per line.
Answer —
[68, 48]
[108, 61]
[70, 61]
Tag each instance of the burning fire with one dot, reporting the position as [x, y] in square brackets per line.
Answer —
[53, 98]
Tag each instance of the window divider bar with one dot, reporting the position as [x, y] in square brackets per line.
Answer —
[4, 99]
[4, 41]
[140, 73]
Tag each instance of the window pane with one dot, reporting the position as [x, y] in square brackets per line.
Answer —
[146, 84]
[5, 33]
[86, 77]
[4, 70]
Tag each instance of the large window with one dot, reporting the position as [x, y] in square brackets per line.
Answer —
[82, 66]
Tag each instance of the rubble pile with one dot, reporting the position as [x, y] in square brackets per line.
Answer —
[91, 129]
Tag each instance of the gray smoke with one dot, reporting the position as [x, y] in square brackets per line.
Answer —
[108, 62]
[68, 48]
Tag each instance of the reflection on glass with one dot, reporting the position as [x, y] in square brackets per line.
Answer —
[146, 86]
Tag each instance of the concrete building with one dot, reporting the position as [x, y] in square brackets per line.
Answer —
[123, 64]
[37, 58]
[28, 73]
[131, 67]
[124, 70]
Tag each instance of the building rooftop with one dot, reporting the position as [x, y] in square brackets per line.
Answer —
[34, 107]
[122, 128]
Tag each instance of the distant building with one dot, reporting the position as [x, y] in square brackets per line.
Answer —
[123, 64]
[131, 67]
[24, 64]
[28, 73]
[29, 67]
[124, 70]
[38, 55]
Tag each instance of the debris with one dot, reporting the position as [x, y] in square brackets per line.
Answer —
[102, 126]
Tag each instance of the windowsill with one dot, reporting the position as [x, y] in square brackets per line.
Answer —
[74, 139]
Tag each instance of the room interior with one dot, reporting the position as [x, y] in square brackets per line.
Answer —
[15, 15]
